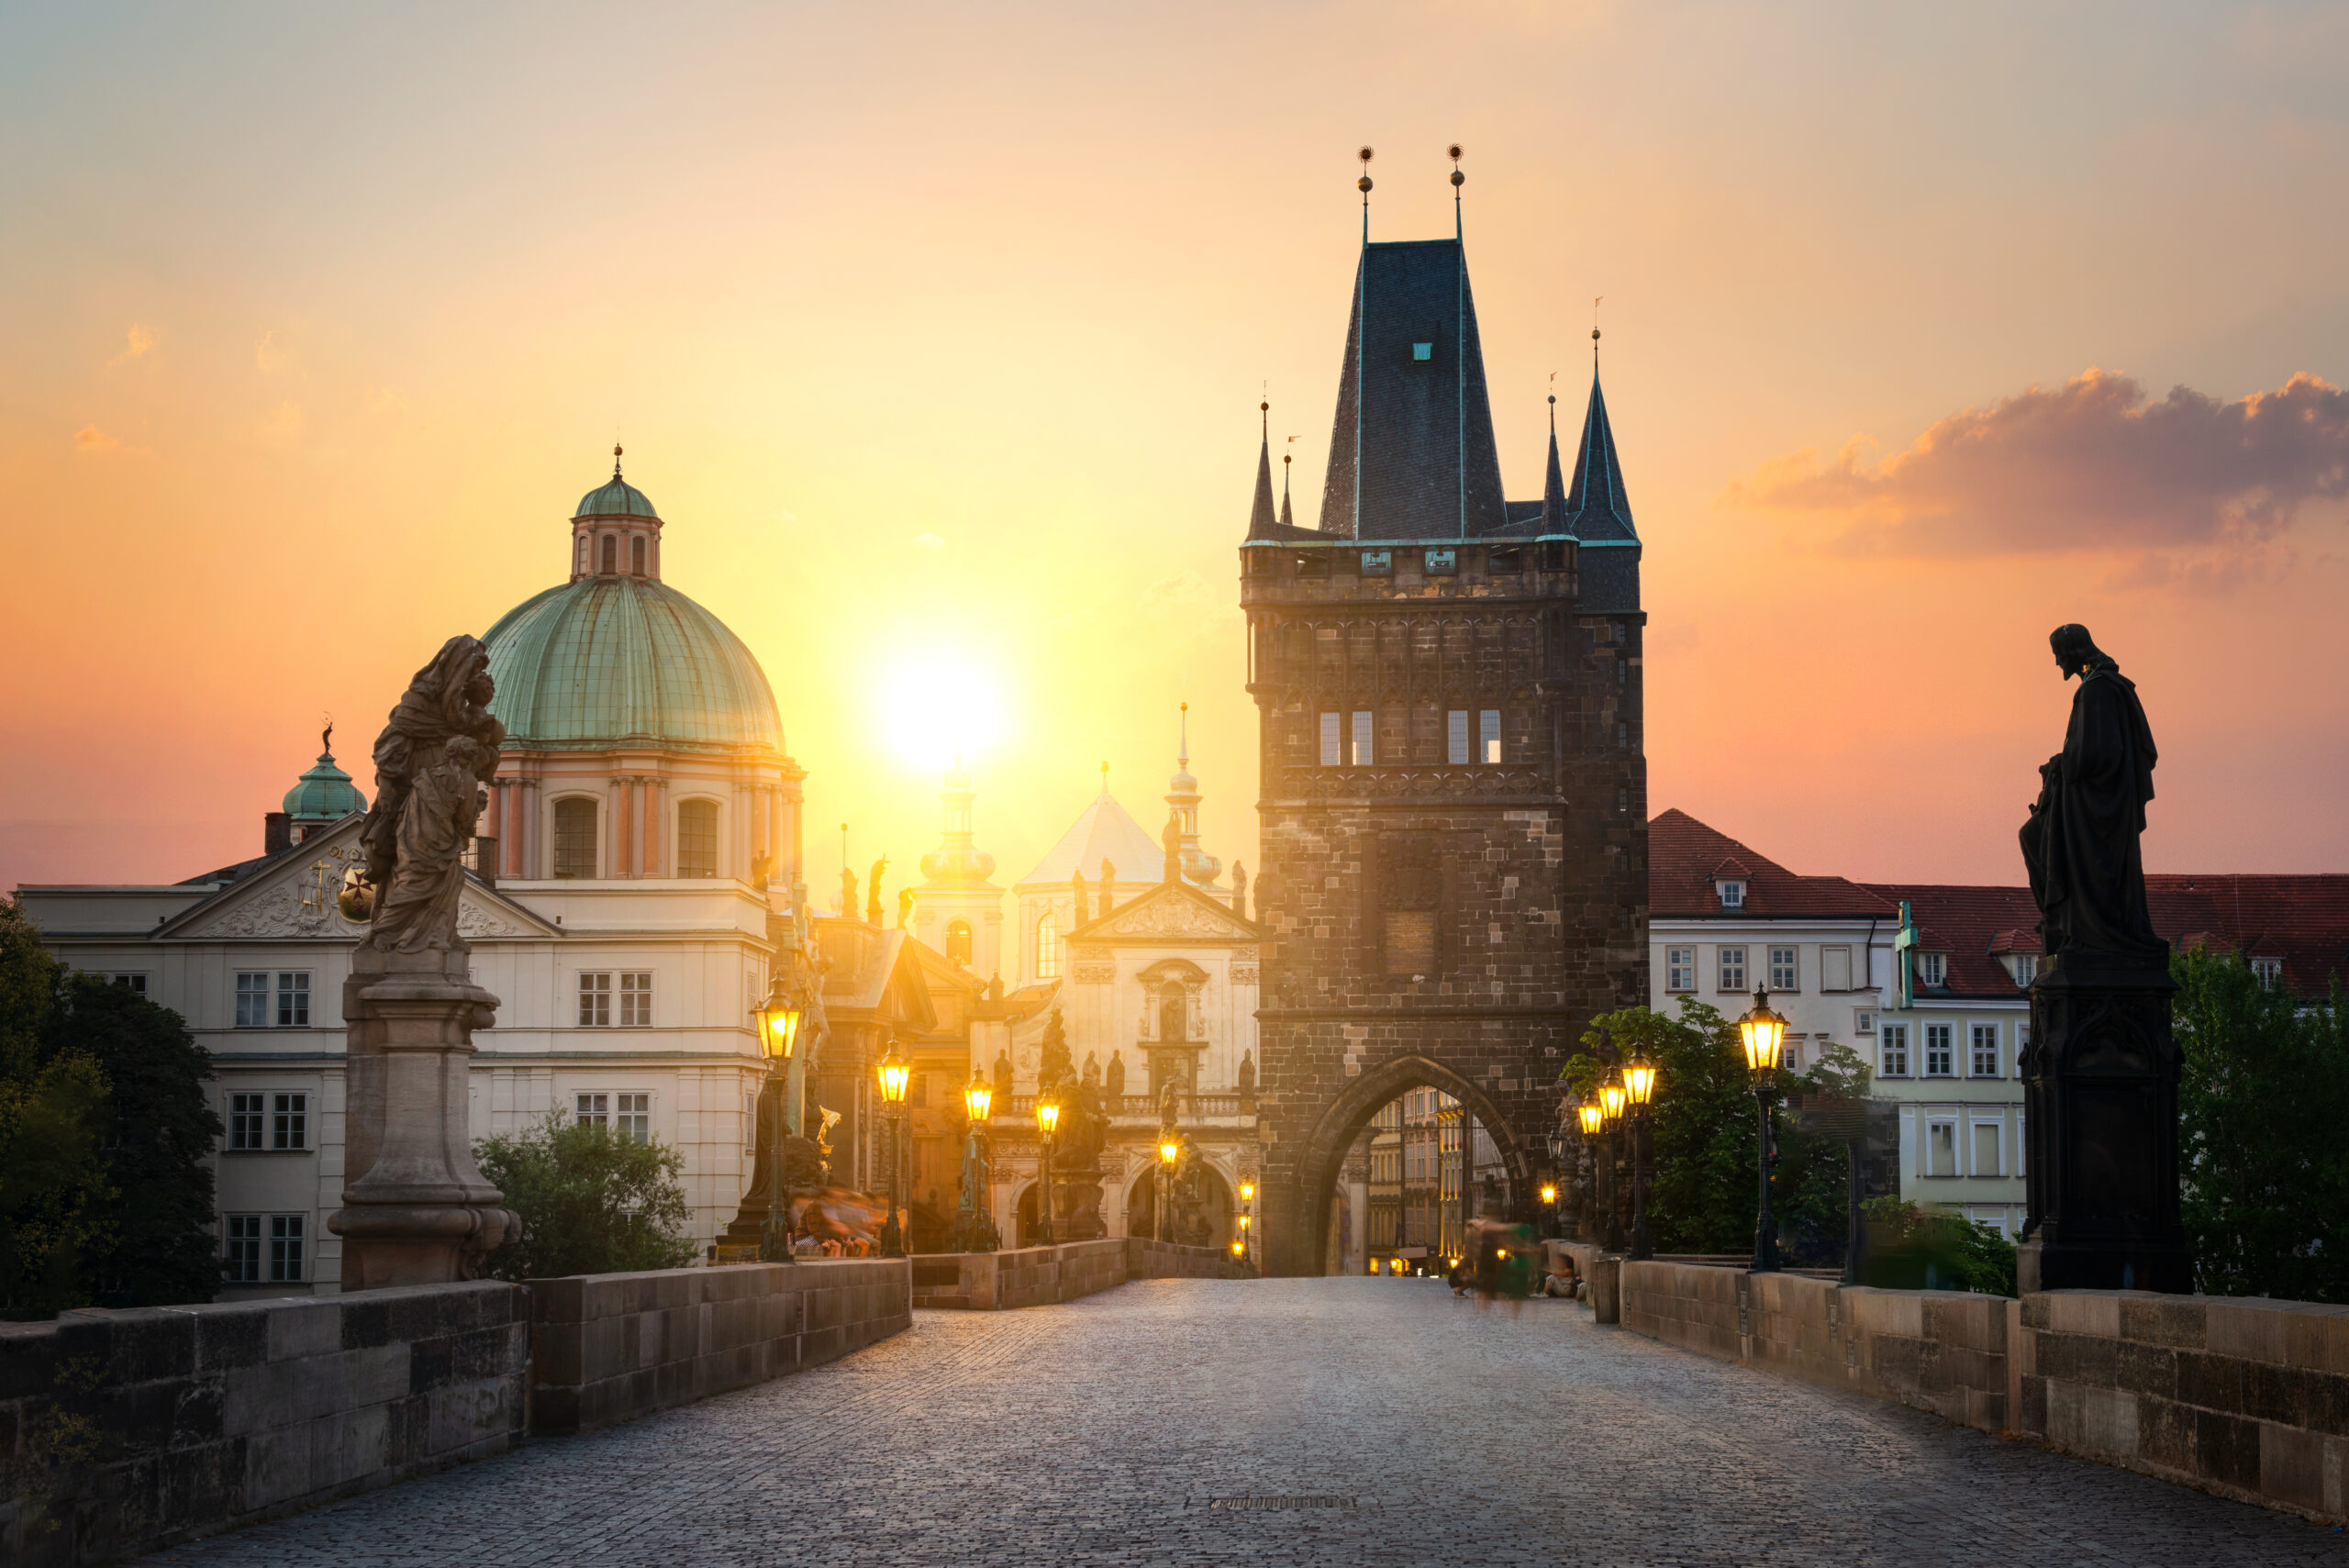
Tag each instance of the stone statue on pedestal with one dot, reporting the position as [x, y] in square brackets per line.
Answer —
[2101, 1071]
[415, 1208]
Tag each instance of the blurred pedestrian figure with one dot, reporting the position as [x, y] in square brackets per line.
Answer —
[1500, 1256]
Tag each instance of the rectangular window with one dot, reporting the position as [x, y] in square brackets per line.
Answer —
[1456, 736]
[1939, 1055]
[1862, 1020]
[285, 1249]
[574, 837]
[1488, 735]
[1835, 969]
[594, 1001]
[1785, 973]
[595, 1110]
[1622, 733]
[134, 983]
[289, 1121]
[1358, 755]
[246, 1113]
[636, 1000]
[1330, 756]
[240, 1257]
[1680, 969]
[1790, 1055]
[294, 999]
[1931, 968]
[634, 1118]
[2267, 971]
[1986, 1050]
[1732, 969]
[2026, 968]
[1985, 1148]
[1892, 1051]
[697, 837]
[1940, 1149]
[252, 1001]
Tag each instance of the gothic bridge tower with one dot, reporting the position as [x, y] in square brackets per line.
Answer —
[1454, 790]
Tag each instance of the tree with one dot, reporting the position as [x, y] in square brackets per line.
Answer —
[2263, 1098]
[54, 1197]
[592, 1201]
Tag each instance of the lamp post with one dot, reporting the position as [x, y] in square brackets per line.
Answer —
[1612, 1101]
[1170, 1149]
[1762, 1031]
[1592, 1122]
[1048, 1124]
[778, 1018]
[974, 1227]
[1638, 1089]
[896, 1075]
[1248, 1217]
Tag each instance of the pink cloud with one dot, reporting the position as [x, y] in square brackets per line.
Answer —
[89, 439]
[2185, 483]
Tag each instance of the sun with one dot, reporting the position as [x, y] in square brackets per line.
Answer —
[940, 705]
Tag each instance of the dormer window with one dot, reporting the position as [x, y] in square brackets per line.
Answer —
[2268, 971]
[2024, 966]
[1933, 968]
[1733, 895]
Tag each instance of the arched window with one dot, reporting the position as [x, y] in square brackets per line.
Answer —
[1048, 948]
[574, 837]
[1174, 1021]
[611, 554]
[958, 942]
[697, 837]
[637, 549]
[583, 553]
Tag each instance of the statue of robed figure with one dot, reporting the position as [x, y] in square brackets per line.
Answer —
[2100, 1068]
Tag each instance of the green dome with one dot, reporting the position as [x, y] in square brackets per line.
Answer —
[604, 659]
[325, 793]
[616, 498]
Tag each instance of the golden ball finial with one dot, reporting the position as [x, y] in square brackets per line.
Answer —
[1453, 152]
[1458, 178]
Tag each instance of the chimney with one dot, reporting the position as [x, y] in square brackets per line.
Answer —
[276, 833]
[486, 860]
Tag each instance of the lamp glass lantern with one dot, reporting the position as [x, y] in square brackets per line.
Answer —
[1592, 1117]
[897, 1076]
[778, 1018]
[1048, 1115]
[1762, 1032]
[1612, 1097]
[1639, 1080]
[1549, 1192]
[978, 1096]
[1247, 1190]
[1169, 1151]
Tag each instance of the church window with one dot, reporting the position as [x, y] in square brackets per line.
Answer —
[1456, 736]
[697, 837]
[1048, 947]
[1174, 1021]
[958, 942]
[594, 1001]
[574, 837]
[636, 556]
[583, 553]
[1329, 740]
[611, 554]
[1359, 757]
[1488, 734]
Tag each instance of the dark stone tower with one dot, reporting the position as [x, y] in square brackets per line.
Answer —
[1454, 792]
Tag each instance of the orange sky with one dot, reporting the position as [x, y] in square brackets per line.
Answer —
[938, 341]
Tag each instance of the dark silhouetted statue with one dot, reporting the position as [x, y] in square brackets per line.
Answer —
[2080, 845]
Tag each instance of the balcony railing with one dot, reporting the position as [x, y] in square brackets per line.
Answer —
[1133, 1108]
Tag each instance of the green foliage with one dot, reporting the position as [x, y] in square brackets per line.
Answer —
[592, 1201]
[2263, 1099]
[1705, 1131]
[104, 1130]
[1914, 1247]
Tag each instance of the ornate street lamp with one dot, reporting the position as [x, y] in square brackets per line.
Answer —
[1170, 1149]
[1763, 1032]
[897, 1076]
[1592, 1118]
[974, 1229]
[1048, 1126]
[777, 1018]
[1638, 1089]
[1612, 1101]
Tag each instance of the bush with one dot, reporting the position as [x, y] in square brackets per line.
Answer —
[592, 1201]
[1913, 1248]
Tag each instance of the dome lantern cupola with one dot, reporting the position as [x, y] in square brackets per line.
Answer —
[323, 795]
[616, 532]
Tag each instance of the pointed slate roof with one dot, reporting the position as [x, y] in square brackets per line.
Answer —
[1259, 513]
[1411, 450]
[1553, 486]
[1288, 519]
[1597, 511]
[1104, 831]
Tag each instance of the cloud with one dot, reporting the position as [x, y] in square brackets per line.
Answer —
[268, 358]
[89, 439]
[929, 542]
[2193, 489]
[139, 339]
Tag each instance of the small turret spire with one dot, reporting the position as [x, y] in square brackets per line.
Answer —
[616, 460]
[1364, 186]
[1458, 180]
[1288, 519]
[1260, 512]
[1553, 483]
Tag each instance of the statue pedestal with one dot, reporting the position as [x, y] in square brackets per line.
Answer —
[1077, 1206]
[2101, 1102]
[417, 1210]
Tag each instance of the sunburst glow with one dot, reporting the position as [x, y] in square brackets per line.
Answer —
[941, 704]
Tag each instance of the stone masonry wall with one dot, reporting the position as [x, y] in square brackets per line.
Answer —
[1038, 1276]
[2247, 1398]
[122, 1432]
[611, 1348]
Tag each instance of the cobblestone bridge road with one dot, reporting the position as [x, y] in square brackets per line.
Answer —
[1100, 1432]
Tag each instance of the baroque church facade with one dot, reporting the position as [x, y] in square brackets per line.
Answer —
[1453, 786]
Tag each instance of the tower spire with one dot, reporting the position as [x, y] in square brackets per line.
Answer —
[1458, 180]
[1364, 186]
[616, 461]
[1288, 519]
[1259, 513]
[1596, 507]
[1553, 483]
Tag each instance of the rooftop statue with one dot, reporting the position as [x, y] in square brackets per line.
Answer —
[2081, 843]
[431, 760]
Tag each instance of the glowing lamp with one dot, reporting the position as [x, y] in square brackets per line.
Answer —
[1593, 1118]
[979, 1096]
[1762, 1032]
[1247, 1190]
[1238, 1248]
[1639, 1079]
[778, 1018]
[1549, 1192]
[897, 1076]
[1048, 1115]
[1244, 1222]
[1612, 1097]
[1169, 1151]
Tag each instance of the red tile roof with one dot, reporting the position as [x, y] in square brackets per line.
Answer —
[2304, 920]
[1968, 924]
[1685, 857]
